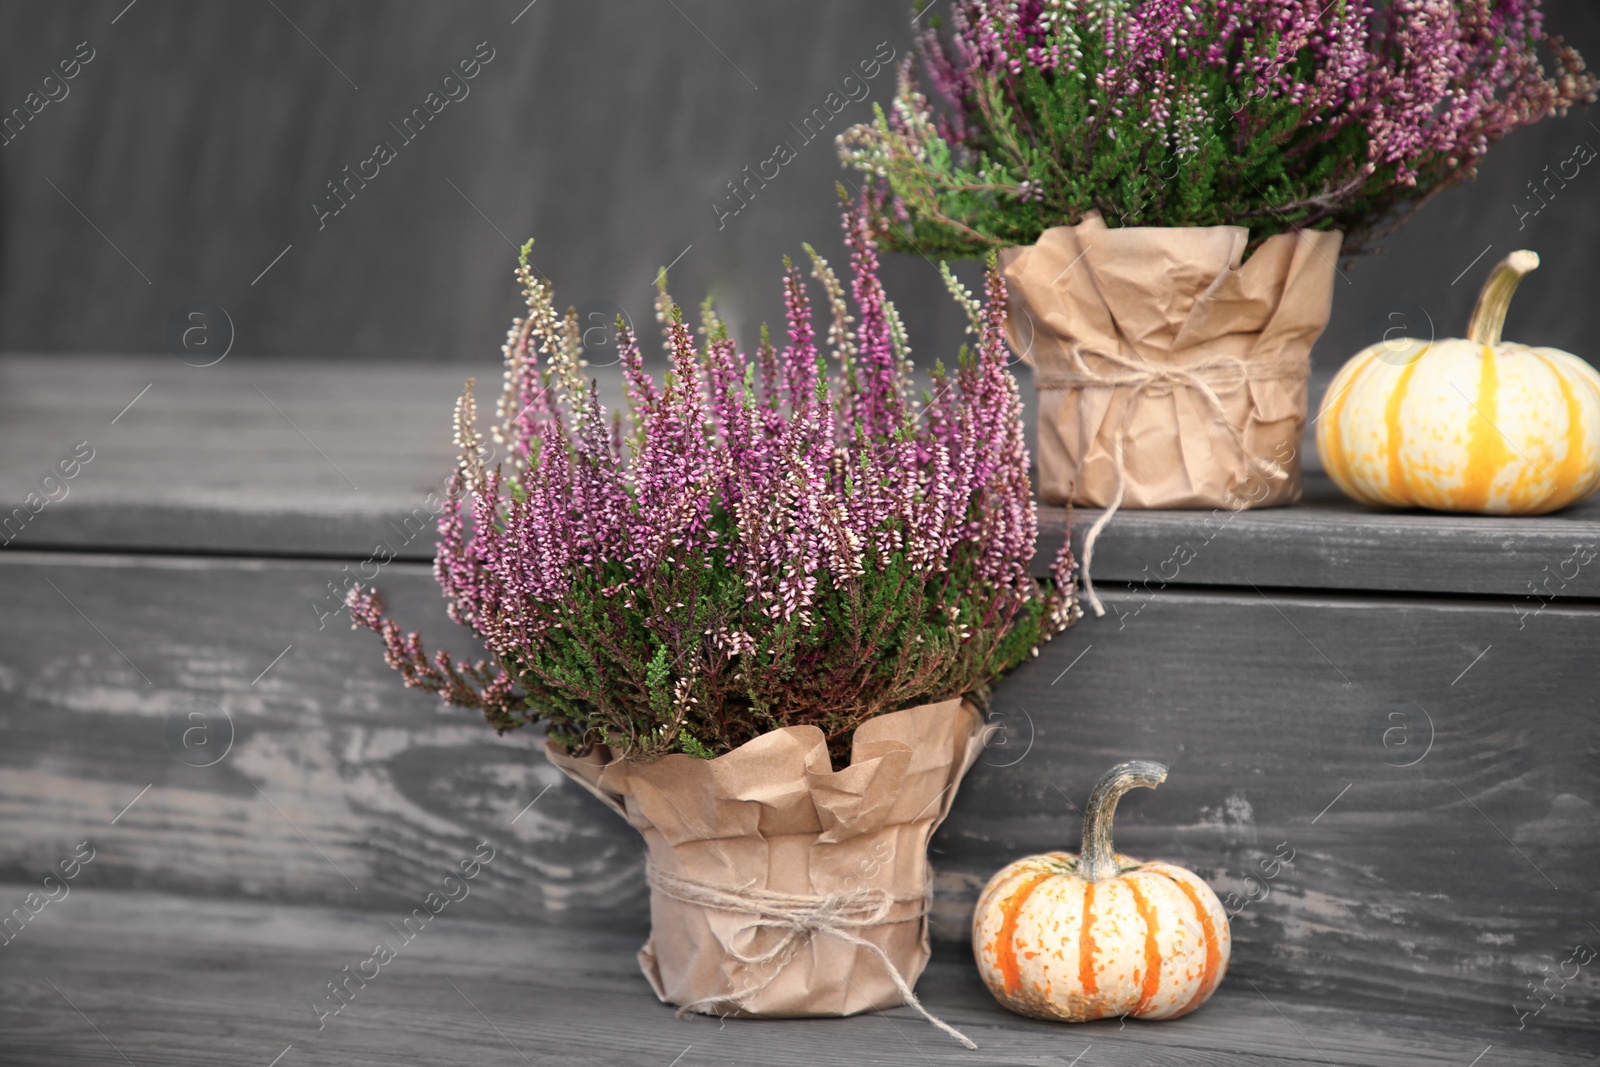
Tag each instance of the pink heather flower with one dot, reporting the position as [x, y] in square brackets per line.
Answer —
[1428, 86]
[795, 484]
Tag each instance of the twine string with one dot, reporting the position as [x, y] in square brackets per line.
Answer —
[800, 916]
[1142, 376]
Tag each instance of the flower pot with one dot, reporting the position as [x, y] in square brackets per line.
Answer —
[1169, 375]
[779, 886]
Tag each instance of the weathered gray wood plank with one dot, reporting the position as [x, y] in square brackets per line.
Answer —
[1269, 710]
[201, 133]
[345, 460]
[174, 980]
[339, 785]
[1330, 542]
[1432, 766]
[242, 458]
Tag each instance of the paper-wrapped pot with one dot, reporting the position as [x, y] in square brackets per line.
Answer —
[769, 869]
[1159, 340]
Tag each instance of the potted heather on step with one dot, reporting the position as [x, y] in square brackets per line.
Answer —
[756, 619]
[1168, 183]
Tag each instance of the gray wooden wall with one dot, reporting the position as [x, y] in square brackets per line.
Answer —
[197, 139]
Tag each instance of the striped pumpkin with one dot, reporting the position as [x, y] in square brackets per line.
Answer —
[1475, 425]
[1100, 935]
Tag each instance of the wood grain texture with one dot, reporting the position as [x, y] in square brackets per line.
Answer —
[340, 786]
[199, 136]
[1330, 542]
[1438, 869]
[262, 458]
[1447, 884]
[244, 458]
[1292, 720]
[178, 981]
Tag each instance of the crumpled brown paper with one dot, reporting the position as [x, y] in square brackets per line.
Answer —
[773, 815]
[1162, 316]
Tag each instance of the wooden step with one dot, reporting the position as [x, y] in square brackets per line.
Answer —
[1379, 693]
[165, 979]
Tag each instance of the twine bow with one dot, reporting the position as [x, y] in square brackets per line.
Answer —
[800, 916]
[1142, 376]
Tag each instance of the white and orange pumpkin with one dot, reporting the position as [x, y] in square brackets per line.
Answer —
[1476, 425]
[1100, 935]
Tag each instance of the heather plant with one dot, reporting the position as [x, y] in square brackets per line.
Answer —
[1272, 114]
[790, 539]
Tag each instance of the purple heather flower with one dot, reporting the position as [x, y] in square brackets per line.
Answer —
[797, 480]
[1431, 84]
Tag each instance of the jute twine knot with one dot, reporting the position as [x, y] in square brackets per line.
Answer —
[1143, 376]
[801, 916]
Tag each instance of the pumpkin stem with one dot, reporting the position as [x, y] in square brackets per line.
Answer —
[1098, 860]
[1489, 316]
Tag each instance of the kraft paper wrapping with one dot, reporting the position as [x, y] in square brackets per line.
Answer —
[1129, 329]
[772, 815]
